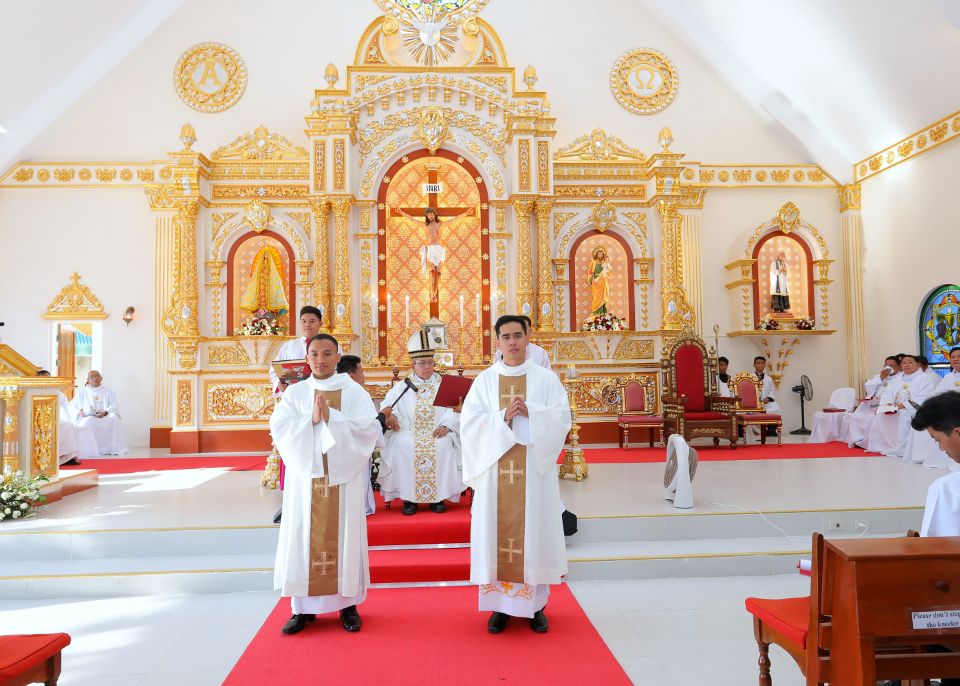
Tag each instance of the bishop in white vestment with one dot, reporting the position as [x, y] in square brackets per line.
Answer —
[422, 443]
[325, 430]
[889, 431]
[96, 408]
[514, 424]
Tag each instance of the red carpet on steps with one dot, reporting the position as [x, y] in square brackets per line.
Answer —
[433, 564]
[390, 527]
[430, 636]
[708, 453]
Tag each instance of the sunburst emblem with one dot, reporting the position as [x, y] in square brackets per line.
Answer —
[429, 29]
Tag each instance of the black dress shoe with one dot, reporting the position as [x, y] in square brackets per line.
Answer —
[276, 517]
[351, 618]
[72, 462]
[539, 622]
[497, 622]
[409, 508]
[438, 507]
[296, 623]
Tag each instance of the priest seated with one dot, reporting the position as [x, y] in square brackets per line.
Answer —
[422, 444]
[856, 425]
[73, 442]
[97, 409]
[891, 427]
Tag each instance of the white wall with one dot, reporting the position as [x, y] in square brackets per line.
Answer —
[910, 224]
[107, 236]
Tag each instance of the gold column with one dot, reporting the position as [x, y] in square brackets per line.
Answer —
[11, 440]
[180, 320]
[677, 312]
[165, 359]
[321, 266]
[545, 291]
[692, 269]
[851, 228]
[523, 207]
[341, 279]
[44, 425]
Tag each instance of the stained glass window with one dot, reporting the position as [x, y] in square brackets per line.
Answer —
[940, 326]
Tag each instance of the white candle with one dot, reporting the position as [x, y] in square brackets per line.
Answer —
[478, 309]
[406, 313]
[461, 310]
[389, 309]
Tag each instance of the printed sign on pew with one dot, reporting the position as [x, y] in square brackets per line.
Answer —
[936, 619]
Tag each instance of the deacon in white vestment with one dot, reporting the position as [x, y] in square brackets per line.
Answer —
[514, 424]
[97, 409]
[422, 442]
[920, 446]
[325, 430]
[940, 417]
[856, 425]
[889, 431]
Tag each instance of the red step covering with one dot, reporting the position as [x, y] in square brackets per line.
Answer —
[392, 527]
[707, 452]
[18, 654]
[789, 616]
[440, 564]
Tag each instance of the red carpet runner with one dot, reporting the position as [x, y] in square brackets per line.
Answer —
[245, 463]
[430, 636]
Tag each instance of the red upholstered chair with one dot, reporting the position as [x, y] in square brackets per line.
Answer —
[691, 405]
[746, 389]
[636, 394]
[31, 658]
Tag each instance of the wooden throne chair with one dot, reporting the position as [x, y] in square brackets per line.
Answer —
[636, 395]
[691, 405]
[747, 390]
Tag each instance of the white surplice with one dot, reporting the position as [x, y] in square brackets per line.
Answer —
[941, 513]
[486, 438]
[921, 447]
[421, 478]
[723, 387]
[535, 354]
[889, 432]
[769, 390]
[856, 425]
[348, 439]
[107, 431]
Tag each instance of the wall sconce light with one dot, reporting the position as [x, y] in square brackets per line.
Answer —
[128, 315]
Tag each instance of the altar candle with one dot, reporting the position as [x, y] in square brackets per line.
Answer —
[389, 309]
[478, 309]
[461, 310]
[406, 313]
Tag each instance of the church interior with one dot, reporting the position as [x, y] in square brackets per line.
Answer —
[703, 210]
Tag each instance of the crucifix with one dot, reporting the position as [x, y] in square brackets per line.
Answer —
[512, 472]
[511, 549]
[433, 254]
[326, 560]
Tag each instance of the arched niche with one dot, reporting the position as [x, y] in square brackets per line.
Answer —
[620, 279]
[798, 261]
[939, 325]
[239, 273]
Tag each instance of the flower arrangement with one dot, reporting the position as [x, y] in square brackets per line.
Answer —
[263, 323]
[19, 496]
[604, 322]
[805, 323]
[768, 323]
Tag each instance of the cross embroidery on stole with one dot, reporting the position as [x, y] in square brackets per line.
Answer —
[511, 494]
[323, 576]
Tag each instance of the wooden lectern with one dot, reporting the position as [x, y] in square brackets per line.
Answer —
[891, 602]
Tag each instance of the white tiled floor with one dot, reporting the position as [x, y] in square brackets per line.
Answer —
[667, 632]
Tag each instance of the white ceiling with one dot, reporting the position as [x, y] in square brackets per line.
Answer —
[840, 79]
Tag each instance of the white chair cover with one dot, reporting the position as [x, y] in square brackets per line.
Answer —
[843, 399]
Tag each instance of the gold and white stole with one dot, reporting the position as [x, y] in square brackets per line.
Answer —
[324, 573]
[511, 493]
[424, 444]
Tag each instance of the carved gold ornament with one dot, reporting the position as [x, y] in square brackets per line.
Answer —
[257, 215]
[644, 81]
[432, 129]
[75, 301]
[210, 77]
[787, 217]
[429, 29]
[604, 215]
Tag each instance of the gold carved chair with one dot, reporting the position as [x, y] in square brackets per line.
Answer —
[637, 402]
[747, 390]
[691, 405]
